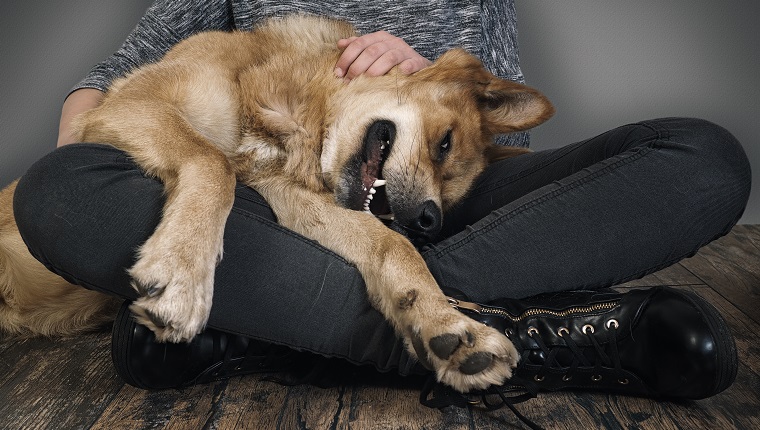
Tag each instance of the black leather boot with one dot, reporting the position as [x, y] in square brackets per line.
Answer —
[659, 342]
[145, 363]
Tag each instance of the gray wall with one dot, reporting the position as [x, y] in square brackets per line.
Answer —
[46, 46]
[603, 63]
[606, 63]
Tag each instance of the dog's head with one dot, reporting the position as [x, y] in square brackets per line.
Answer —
[406, 148]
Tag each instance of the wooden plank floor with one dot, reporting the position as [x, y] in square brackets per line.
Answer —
[70, 383]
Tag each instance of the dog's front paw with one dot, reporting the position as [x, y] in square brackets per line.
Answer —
[464, 353]
[167, 324]
[176, 299]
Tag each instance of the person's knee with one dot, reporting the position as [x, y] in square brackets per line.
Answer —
[717, 149]
[713, 156]
[46, 185]
[35, 193]
[84, 210]
[83, 191]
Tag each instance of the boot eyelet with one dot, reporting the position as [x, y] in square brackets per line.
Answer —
[596, 378]
[538, 378]
[561, 330]
[612, 324]
[567, 378]
[532, 330]
[588, 328]
[623, 381]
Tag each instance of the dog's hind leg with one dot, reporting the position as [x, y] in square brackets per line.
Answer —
[35, 301]
[464, 353]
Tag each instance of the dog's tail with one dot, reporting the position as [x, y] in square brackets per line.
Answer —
[35, 301]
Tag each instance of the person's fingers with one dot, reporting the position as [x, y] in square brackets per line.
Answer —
[354, 47]
[375, 60]
[390, 56]
[407, 60]
[342, 43]
[414, 64]
[375, 54]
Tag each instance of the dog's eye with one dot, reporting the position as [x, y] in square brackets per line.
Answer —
[444, 147]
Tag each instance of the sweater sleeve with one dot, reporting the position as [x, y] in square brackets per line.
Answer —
[165, 23]
[499, 31]
[500, 52]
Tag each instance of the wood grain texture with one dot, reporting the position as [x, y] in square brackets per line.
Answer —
[730, 266]
[70, 383]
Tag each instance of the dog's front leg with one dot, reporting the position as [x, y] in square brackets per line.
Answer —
[174, 271]
[464, 353]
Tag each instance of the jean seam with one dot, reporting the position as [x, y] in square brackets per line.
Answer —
[254, 201]
[663, 133]
[562, 152]
[540, 199]
[76, 280]
[659, 131]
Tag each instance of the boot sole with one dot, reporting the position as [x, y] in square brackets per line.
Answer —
[121, 342]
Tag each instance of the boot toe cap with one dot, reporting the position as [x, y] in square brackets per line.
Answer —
[681, 347]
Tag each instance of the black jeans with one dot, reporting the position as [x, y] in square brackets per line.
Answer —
[587, 215]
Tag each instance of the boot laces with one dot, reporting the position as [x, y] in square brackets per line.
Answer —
[602, 357]
[437, 395]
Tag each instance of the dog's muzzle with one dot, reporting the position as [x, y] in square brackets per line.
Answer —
[421, 224]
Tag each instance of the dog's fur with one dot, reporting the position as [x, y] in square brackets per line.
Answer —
[264, 108]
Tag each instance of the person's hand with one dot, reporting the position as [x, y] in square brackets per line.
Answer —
[77, 102]
[375, 54]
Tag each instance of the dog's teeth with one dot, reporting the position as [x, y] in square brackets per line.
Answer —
[372, 191]
[382, 147]
[378, 183]
[388, 217]
[370, 196]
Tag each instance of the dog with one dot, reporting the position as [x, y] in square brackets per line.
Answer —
[338, 162]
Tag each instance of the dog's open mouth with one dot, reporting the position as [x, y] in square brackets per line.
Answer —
[377, 146]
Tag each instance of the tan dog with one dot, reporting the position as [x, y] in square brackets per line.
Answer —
[265, 108]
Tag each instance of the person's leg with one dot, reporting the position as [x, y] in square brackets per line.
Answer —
[591, 215]
[596, 213]
[275, 285]
[83, 210]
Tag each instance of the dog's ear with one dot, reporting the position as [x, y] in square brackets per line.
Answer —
[506, 106]
[496, 152]
[509, 106]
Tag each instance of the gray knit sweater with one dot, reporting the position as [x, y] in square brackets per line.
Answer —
[486, 28]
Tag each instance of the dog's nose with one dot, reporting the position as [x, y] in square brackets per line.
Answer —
[426, 222]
